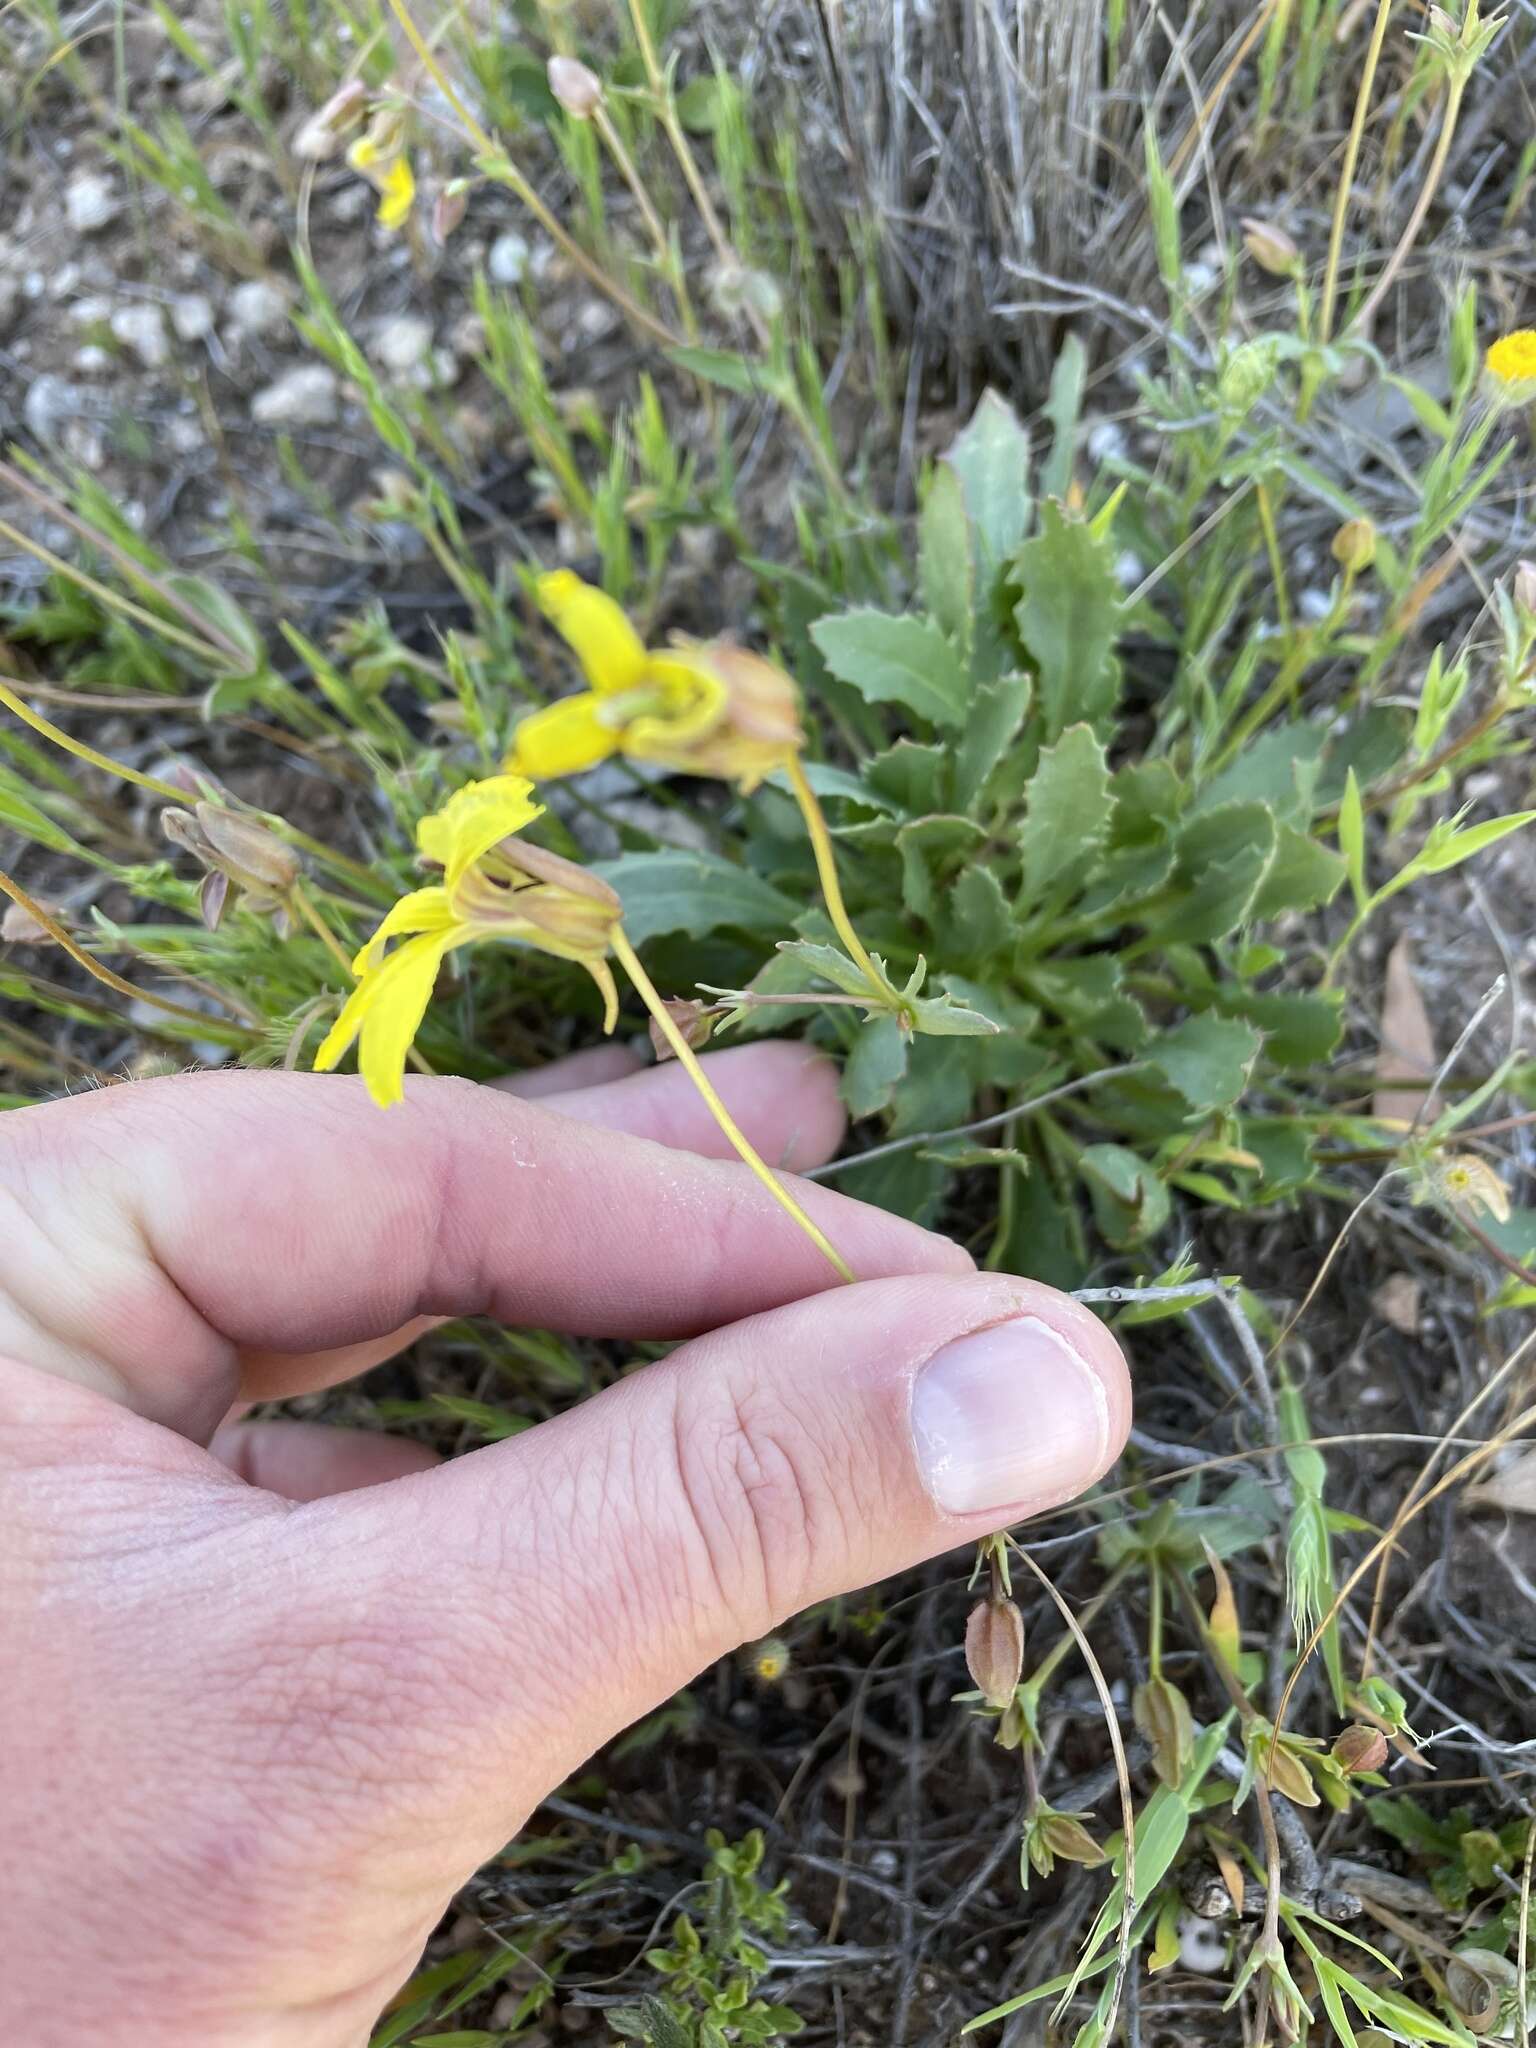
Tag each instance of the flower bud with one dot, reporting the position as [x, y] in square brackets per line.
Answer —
[1246, 375]
[1271, 248]
[578, 90]
[693, 1021]
[322, 134]
[994, 1649]
[18, 927]
[1354, 546]
[1360, 1748]
[1525, 588]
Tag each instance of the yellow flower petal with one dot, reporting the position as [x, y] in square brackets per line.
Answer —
[695, 702]
[397, 193]
[385, 1011]
[562, 739]
[424, 910]
[1512, 358]
[364, 154]
[611, 652]
[473, 820]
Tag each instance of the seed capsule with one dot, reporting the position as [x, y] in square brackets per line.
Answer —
[994, 1650]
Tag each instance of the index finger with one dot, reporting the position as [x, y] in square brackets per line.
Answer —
[214, 1212]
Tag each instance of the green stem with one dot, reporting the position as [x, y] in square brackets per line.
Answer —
[1347, 171]
[683, 1052]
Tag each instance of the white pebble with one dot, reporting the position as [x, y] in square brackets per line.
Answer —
[91, 203]
[141, 330]
[49, 402]
[192, 316]
[302, 397]
[401, 345]
[257, 306]
[507, 259]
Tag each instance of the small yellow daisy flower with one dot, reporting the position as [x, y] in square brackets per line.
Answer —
[1511, 361]
[702, 708]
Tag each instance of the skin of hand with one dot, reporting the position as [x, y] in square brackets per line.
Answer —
[269, 1691]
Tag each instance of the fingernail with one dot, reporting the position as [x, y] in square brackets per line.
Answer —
[1009, 1417]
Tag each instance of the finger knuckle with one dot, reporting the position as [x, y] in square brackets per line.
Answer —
[760, 1498]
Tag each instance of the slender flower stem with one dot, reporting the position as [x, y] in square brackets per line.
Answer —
[498, 166]
[826, 869]
[92, 966]
[1421, 205]
[203, 649]
[79, 749]
[298, 896]
[646, 989]
[1347, 171]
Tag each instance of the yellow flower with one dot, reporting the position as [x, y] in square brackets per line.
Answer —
[493, 887]
[1511, 361]
[703, 708]
[381, 157]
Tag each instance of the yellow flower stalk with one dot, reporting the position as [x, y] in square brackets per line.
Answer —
[492, 888]
[708, 708]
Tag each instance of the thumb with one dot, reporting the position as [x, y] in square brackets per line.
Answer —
[562, 1584]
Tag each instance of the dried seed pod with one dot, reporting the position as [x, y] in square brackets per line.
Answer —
[248, 852]
[1360, 1748]
[994, 1649]
[1271, 248]
[578, 89]
[448, 209]
[18, 927]
[1162, 1714]
[1286, 1772]
[694, 1025]
[323, 133]
[1354, 545]
[1066, 1837]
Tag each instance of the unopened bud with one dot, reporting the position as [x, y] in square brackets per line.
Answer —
[578, 90]
[18, 927]
[1271, 248]
[1246, 375]
[449, 208]
[693, 1021]
[994, 1649]
[1525, 588]
[322, 134]
[1354, 545]
[1360, 1748]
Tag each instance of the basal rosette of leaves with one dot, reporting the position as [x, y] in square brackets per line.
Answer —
[1130, 914]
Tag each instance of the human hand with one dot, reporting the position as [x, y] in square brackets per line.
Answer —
[266, 1705]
